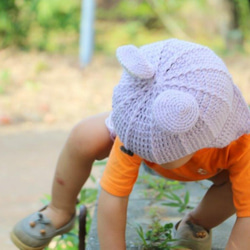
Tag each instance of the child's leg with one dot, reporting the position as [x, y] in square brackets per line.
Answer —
[216, 206]
[89, 141]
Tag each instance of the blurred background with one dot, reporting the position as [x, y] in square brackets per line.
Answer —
[41, 80]
[45, 90]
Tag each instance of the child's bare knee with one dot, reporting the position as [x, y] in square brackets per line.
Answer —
[90, 138]
[79, 140]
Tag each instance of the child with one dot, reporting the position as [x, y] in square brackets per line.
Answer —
[176, 108]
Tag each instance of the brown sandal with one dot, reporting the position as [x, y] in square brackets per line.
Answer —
[192, 236]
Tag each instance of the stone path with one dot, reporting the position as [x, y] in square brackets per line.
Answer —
[139, 214]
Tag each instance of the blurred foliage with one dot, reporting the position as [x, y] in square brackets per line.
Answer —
[148, 20]
[54, 25]
[243, 15]
[35, 23]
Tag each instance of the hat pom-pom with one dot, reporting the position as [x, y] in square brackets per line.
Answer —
[134, 62]
[175, 111]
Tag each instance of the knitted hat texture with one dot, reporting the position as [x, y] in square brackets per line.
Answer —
[174, 98]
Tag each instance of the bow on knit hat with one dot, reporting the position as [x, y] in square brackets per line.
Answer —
[174, 98]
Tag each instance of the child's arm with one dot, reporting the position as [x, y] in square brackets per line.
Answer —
[112, 216]
[239, 238]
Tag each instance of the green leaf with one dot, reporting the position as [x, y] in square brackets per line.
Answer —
[100, 163]
[171, 204]
[176, 197]
[186, 198]
[168, 226]
[93, 178]
[140, 232]
[88, 195]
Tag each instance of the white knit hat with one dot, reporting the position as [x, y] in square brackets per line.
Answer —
[174, 98]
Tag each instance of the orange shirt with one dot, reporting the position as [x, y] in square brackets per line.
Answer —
[122, 170]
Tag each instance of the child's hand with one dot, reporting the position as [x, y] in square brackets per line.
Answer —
[112, 216]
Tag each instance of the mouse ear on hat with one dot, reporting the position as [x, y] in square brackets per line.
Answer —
[134, 62]
[175, 111]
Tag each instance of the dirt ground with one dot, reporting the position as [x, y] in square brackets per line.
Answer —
[48, 90]
[37, 89]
